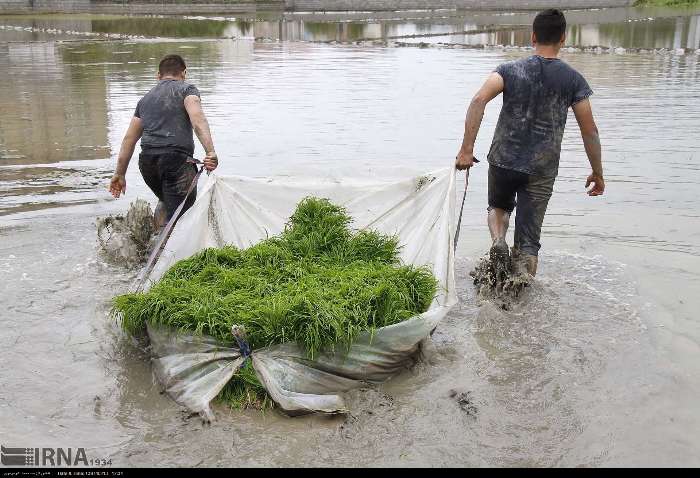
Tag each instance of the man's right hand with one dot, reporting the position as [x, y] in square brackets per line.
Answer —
[598, 184]
[464, 160]
[117, 185]
[211, 161]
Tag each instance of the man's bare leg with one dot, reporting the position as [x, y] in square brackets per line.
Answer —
[160, 217]
[498, 223]
[498, 226]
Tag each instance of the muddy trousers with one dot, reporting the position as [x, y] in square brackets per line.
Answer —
[169, 175]
[529, 196]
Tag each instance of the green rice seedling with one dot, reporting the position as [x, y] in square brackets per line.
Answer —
[245, 391]
[370, 246]
[318, 284]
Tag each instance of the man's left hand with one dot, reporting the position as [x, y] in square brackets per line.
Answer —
[211, 161]
[598, 184]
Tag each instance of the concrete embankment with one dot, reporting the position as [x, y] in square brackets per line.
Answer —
[177, 7]
[143, 7]
[394, 5]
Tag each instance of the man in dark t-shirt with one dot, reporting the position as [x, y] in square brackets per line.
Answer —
[524, 156]
[164, 120]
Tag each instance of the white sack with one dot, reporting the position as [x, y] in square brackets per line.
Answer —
[242, 212]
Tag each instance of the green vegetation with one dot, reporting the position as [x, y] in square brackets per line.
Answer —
[160, 27]
[666, 3]
[246, 391]
[317, 284]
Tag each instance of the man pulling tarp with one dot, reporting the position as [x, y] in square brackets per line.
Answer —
[164, 120]
[524, 155]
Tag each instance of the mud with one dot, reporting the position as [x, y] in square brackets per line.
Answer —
[538, 385]
[500, 284]
[127, 239]
[465, 402]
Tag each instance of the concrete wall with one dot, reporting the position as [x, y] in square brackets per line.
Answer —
[172, 7]
[14, 6]
[175, 7]
[47, 6]
[383, 5]
[199, 8]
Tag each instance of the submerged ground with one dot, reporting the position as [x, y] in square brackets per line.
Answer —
[598, 365]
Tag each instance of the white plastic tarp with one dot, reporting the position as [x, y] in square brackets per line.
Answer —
[243, 211]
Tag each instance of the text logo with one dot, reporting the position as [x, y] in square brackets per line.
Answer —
[42, 456]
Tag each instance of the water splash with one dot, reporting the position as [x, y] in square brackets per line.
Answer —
[126, 240]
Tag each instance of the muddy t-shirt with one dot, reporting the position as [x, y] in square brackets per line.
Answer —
[166, 124]
[537, 94]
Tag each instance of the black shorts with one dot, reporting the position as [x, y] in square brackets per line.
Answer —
[532, 194]
[169, 175]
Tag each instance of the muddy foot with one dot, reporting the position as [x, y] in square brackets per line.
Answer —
[495, 279]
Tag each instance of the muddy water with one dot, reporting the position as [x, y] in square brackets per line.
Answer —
[597, 366]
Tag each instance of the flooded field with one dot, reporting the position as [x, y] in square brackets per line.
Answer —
[599, 364]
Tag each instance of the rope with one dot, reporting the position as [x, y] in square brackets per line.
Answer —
[239, 334]
[461, 209]
[165, 233]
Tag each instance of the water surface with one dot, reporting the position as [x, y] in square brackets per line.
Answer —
[597, 366]
[631, 27]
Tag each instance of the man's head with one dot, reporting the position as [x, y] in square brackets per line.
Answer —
[172, 66]
[549, 28]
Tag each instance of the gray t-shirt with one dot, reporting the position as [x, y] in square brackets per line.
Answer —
[537, 94]
[166, 124]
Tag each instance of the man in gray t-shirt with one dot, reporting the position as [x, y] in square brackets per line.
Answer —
[166, 123]
[164, 120]
[524, 156]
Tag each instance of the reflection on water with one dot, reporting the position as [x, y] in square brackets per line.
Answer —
[627, 28]
[614, 27]
[680, 32]
[50, 107]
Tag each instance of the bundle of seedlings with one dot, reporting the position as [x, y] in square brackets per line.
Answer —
[319, 284]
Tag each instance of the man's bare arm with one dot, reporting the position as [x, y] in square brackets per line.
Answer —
[591, 142]
[193, 105]
[117, 185]
[475, 114]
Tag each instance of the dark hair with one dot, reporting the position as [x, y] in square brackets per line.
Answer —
[549, 26]
[171, 65]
